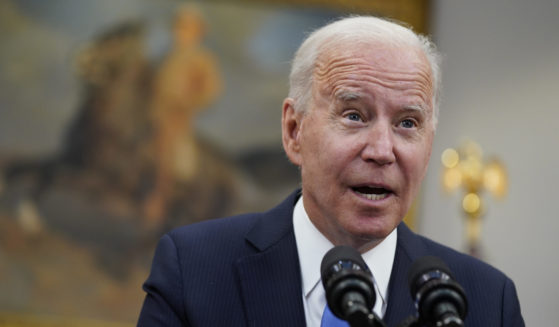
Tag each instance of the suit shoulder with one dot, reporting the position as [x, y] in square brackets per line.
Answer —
[492, 297]
[215, 231]
[231, 230]
[462, 264]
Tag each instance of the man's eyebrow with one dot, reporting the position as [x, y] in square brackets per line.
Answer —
[347, 96]
[415, 107]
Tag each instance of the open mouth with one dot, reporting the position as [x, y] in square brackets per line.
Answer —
[372, 193]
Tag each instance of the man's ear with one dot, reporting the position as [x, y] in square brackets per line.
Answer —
[290, 129]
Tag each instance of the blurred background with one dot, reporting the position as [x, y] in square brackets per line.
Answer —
[121, 120]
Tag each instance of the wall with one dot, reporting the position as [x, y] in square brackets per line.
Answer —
[500, 86]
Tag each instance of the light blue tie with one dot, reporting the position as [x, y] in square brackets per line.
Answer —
[329, 320]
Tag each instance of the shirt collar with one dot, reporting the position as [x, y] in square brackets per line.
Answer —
[312, 246]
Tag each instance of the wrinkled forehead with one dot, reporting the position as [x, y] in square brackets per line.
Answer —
[379, 54]
[404, 62]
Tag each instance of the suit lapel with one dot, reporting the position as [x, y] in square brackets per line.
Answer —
[400, 304]
[270, 279]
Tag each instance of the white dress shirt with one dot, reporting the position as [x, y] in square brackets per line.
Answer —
[312, 246]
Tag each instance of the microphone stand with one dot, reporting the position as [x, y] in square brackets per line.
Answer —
[362, 318]
[374, 320]
[415, 322]
[410, 321]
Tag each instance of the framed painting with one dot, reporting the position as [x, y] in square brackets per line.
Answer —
[120, 121]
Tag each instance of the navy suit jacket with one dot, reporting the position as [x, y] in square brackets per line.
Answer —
[244, 271]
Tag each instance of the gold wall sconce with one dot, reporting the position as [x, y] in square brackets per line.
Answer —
[465, 169]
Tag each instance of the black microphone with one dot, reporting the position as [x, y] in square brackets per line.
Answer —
[348, 282]
[439, 299]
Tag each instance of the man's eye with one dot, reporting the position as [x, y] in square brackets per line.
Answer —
[407, 123]
[354, 117]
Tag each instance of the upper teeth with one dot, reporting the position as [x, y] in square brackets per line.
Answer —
[371, 196]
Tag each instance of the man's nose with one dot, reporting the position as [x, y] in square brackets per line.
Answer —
[379, 144]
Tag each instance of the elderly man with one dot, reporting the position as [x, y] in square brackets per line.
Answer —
[359, 122]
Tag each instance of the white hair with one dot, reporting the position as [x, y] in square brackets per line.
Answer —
[360, 29]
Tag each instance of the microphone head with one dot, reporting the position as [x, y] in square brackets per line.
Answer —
[439, 299]
[341, 253]
[423, 266]
[343, 271]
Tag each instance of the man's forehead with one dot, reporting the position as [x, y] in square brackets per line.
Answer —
[375, 53]
[341, 71]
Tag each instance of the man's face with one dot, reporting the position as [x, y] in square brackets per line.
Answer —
[364, 143]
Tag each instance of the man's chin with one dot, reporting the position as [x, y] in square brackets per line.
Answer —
[364, 240]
